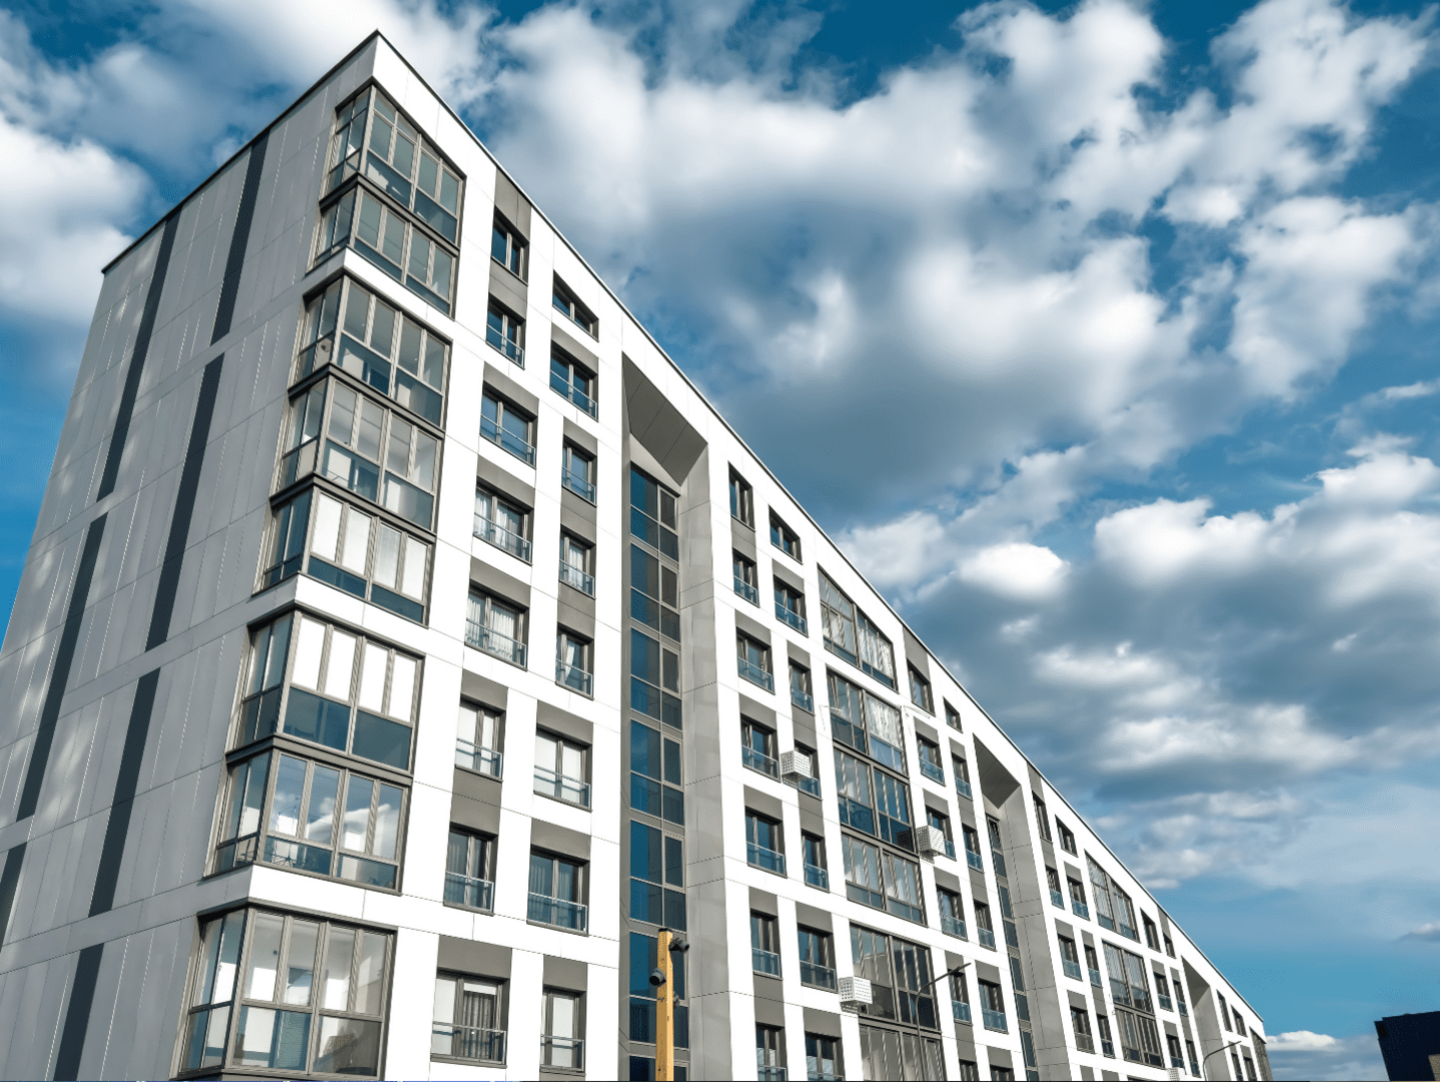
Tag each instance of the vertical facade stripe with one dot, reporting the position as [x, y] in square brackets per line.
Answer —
[60, 674]
[240, 240]
[126, 783]
[137, 358]
[9, 883]
[184, 505]
[77, 1015]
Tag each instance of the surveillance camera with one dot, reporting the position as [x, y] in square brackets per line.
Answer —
[657, 978]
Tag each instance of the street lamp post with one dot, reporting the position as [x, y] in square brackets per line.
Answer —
[920, 1041]
[1217, 1051]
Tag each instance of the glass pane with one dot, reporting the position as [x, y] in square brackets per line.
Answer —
[289, 784]
[320, 820]
[562, 1015]
[357, 542]
[370, 973]
[339, 953]
[279, 1040]
[327, 528]
[341, 665]
[307, 654]
[372, 679]
[264, 958]
[387, 822]
[348, 1046]
[413, 582]
[357, 813]
[300, 962]
[382, 741]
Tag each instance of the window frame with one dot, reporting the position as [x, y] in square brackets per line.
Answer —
[746, 575]
[488, 602]
[577, 377]
[562, 744]
[664, 786]
[548, 996]
[765, 940]
[921, 694]
[755, 660]
[483, 848]
[583, 483]
[584, 571]
[581, 881]
[479, 752]
[565, 670]
[1067, 838]
[503, 409]
[774, 860]
[502, 1005]
[654, 897]
[344, 214]
[522, 548]
[790, 605]
[784, 538]
[742, 499]
[517, 248]
[806, 689]
[564, 300]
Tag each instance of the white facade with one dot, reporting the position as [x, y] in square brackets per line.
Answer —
[128, 669]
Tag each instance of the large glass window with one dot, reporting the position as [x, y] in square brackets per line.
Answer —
[866, 723]
[557, 891]
[655, 774]
[357, 331]
[654, 679]
[643, 960]
[838, 613]
[657, 864]
[310, 997]
[654, 593]
[863, 882]
[496, 626]
[470, 870]
[468, 1018]
[896, 1054]
[384, 236]
[652, 515]
[899, 973]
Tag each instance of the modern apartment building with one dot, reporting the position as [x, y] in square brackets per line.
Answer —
[294, 784]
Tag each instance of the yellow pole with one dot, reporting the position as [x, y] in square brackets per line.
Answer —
[665, 1011]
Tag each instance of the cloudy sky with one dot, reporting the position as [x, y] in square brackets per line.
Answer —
[1101, 335]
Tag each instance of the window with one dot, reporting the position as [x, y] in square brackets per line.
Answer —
[992, 1007]
[969, 1069]
[992, 826]
[1194, 1063]
[849, 634]
[577, 564]
[345, 692]
[1239, 1024]
[866, 723]
[1162, 991]
[764, 842]
[311, 995]
[1124, 912]
[960, 1004]
[1172, 1045]
[654, 676]
[477, 743]
[1070, 958]
[877, 656]
[468, 1019]
[563, 299]
[1052, 880]
[900, 976]
[817, 872]
[952, 717]
[355, 431]
[578, 472]
[961, 770]
[790, 606]
[354, 329]
[1152, 934]
[984, 930]
[654, 786]
[1092, 963]
[508, 247]
[652, 515]
[863, 882]
[1249, 1067]
[654, 589]
[1067, 839]
[574, 662]
[573, 381]
[753, 657]
[1139, 1037]
[502, 523]
[496, 626]
[562, 768]
[952, 912]
[902, 888]
[470, 870]
[817, 958]
[561, 1043]
[1080, 1022]
[822, 1058]
[1179, 993]
[1169, 946]
[505, 331]
[765, 944]
[800, 694]
[742, 500]
[769, 1054]
[759, 747]
[657, 864]
[972, 847]
[888, 1053]
[1041, 818]
[920, 691]
[941, 822]
[1107, 1042]
[311, 817]
[929, 755]
[359, 553]
[508, 427]
[1077, 899]
[784, 538]
[362, 220]
[745, 577]
[642, 994]
[557, 891]
[1224, 1012]
[854, 791]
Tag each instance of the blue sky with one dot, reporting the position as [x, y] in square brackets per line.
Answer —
[1101, 335]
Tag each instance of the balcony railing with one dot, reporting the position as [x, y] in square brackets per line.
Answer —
[1184, 1010]
[758, 760]
[745, 590]
[574, 576]
[578, 485]
[507, 441]
[1108, 1047]
[1057, 899]
[467, 1042]
[817, 975]
[504, 647]
[1177, 1061]
[574, 677]
[962, 787]
[502, 538]
[823, 1076]
[558, 912]
[1084, 1043]
[507, 346]
[770, 1074]
[817, 876]
[755, 674]
[986, 937]
[803, 699]
[994, 1020]
[468, 891]
[480, 760]
[571, 790]
[960, 1010]
[1080, 909]
[999, 860]
[972, 858]
[793, 618]
[1095, 978]
[808, 785]
[768, 859]
[950, 848]
[1165, 1004]
[933, 771]
[1072, 969]
[765, 961]
[566, 389]
[562, 1052]
[952, 925]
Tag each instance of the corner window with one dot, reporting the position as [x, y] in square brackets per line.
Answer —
[850, 634]
[866, 723]
[574, 662]
[657, 876]
[384, 237]
[901, 980]
[577, 564]
[496, 626]
[508, 427]
[920, 691]
[742, 500]
[562, 769]
[470, 870]
[578, 472]
[764, 842]
[557, 892]
[572, 381]
[784, 538]
[479, 739]
[655, 774]
[564, 301]
[508, 247]
[505, 331]
[468, 1018]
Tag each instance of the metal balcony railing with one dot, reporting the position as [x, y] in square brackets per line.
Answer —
[745, 590]
[1080, 909]
[952, 925]
[570, 790]
[480, 760]
[962, 787]
[986, 937]
[817, 876]
[972, 858]
[1095, 978]
[502, 538]
[1072, 969]
[770, 1074]
[492, 642]
[933, 771]
[808, 785]
[562, 1052]
[1165, 1002]
[468, 891]
[572, 392]
[507, 346]
[578, 485]
[999, 860]
[467, 1042]
[960, 1010]
[794, 619]
[1084, 1043]
[768, 859]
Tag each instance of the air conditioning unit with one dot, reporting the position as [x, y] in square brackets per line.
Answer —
[932, 839]
[855, 992]
[1174, 1073]
[794, 765]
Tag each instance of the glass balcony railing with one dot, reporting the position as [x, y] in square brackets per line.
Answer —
[573, 393]
[768, 859]
[480, 760]
[770, 1074]
[1083, 1042]
[577, 577]
[765, 961]
[502, 538]
[817, 976]
[1080, 909]
[933, 771]
[565, 1052]
[952, 926]
[1165, 1003]
[808, 785]
[1096, 979]
[574, 678]
[794, 619]
[559, 912]
[758, 760]
[960, 1011]
[972, 858]
[1072, 969]
[571, 790]
[745, 590]
[508, 441]
[1057, 899]
[467, 1042]
[1108, 1047]
[963, 788]
[817, 876]
[467, 891]
[986, 937]
[755, 674]
[994, 1020]
[578, 485]
[1184, 1010]
[492, 642]
[803, 699]
[507, 346]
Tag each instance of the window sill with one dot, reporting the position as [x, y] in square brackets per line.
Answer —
[556, 928]
[748, 525]
[566, 804]
[496, 778]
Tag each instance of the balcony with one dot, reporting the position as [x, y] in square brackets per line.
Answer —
[558, 912]
[1184, 1010]
[963, 787]
[803, 699]
[1096, 979]
[467, 1042]
[999, 860]
[1072, 969]
[572, 393]
[986, 937]
[745, 590]
[952, 926]
[994, 1020]
[574, 576]
[508, 346]
[504, 647]
[577, 484]
[960, 1011]
[1057, 899]
[770, 1074]
[755, 674]
[508, 441]
[481, 760]
[758, 760]
[769, 859]
[972, 858]
[570, 790]
[467, 891]
[1080, 909]
[575, 678]
[767, 962]
[564, 1052]
[794, 619]
[933, 771]
[1165, 1004]
[817, 976]
[817, 876]
[809, 785]
[502, 538]
[1177, 1063]
[1083, 1042]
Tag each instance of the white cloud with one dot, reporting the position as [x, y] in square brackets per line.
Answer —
[1300, 1040]
[1017, 570]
